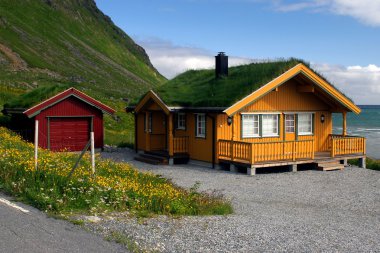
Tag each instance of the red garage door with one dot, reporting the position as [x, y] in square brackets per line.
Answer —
[71, 134]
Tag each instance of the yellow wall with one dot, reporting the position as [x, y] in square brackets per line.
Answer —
[285, 99]
[199, 148]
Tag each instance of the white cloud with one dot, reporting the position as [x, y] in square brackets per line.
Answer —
[361, 83]
[171, 60]
[366, 11]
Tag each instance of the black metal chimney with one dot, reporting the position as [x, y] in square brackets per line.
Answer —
[221, 65]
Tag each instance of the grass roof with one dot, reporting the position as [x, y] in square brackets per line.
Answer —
[35, 96]
[201, 88]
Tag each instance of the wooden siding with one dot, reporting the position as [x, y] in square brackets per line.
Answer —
[71, 107]
[199, 148]
[285, 99]
[291, 74]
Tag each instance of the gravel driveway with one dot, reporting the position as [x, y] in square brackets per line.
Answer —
[306, 211]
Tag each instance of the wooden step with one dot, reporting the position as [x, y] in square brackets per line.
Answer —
[154, 157]
[331, 165]
[151, 159]
[329, 162]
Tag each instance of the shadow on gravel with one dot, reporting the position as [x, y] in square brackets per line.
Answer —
[273, 170]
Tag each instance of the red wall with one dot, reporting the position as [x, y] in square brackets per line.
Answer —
[71, 106]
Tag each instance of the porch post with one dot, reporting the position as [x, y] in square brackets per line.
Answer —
[170, 138]
[147, 134]
[344, 113]
[232, 138]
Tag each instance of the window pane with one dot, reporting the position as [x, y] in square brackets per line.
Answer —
[201, 125]
[289, 123]
[250, 125]
[181, 121]
[305, 123]
[270, 124]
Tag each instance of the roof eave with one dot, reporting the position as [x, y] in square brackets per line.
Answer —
[278, 81]
[35, 110]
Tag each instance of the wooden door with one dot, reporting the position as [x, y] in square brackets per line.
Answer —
[290, 127]
[158, 134]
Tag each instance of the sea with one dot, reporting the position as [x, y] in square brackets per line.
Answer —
[366, 124]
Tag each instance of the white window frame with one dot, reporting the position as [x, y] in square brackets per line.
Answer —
[311, 124]
[181, 121]
[198, 117]
[244, 121]
[262, 125]
[260, 133]
[287, 120]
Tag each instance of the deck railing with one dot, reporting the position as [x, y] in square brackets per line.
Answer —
[181, 144]
[344, 145]
[265, 151]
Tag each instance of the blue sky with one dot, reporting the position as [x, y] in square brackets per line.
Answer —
[340, 38]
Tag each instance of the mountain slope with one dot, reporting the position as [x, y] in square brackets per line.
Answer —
[45, 42]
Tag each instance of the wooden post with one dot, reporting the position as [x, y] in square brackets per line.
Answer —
[170, 135]
[92, 153]
[36, 145]
[364, 146]
[332, 147]
[294, 151]
[344, 113]
[232, 139]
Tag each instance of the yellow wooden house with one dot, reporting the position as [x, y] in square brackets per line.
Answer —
[267, 114]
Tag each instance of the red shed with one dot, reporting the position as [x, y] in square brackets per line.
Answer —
[66, 120]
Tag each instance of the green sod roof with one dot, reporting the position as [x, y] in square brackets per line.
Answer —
[200, 88]
[35, 96]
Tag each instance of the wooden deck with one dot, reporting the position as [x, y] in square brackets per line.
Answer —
[318, 158]
[291, 153]
[284, 152]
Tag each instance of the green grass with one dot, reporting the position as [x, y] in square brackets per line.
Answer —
[371, 164]
[125, 240]
[200, 88]
[35, 96]
[115, 187]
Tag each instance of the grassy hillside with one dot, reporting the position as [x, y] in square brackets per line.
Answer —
[70, 43]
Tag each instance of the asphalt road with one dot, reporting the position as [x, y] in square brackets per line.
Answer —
[30, 230]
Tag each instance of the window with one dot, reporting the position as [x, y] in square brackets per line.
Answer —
[255, 125]
[289, 123]
[181, 121]
[305, 123]
[270, 125]
[250, 124]
[200, 125]
[148, 122]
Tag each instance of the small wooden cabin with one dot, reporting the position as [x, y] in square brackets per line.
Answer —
[65, 121]
[256, 115]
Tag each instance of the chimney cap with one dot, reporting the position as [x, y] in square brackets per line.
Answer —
[221, 53]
